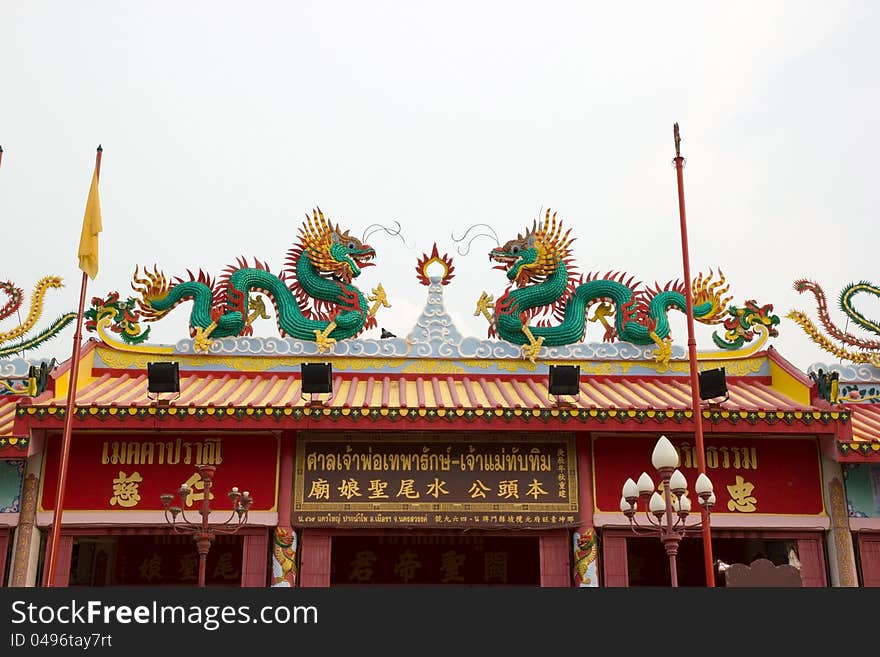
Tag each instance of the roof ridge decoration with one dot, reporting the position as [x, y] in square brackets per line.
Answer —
[223, 312]
[313, 296]
[858, 384]
[868, 349]
[548, 303]
[16, 340]
[15, 367]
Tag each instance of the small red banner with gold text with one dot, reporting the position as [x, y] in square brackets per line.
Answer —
[749, 475]
[128, 472]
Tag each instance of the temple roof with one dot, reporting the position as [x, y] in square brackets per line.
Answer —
[363, 390]
[764, 391]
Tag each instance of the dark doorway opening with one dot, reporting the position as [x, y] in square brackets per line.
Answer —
[153, 560]
[648, 564]
[435, 560]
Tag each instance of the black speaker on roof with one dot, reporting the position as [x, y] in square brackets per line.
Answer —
[317, 377]
[163, 377]
[713, 383]
[564, 379]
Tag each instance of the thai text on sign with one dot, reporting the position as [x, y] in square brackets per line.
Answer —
[749, 474]
[130, 471]
[469, 480]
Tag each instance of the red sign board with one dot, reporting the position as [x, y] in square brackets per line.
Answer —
[128, 472]
[749, 475]
[501, 480]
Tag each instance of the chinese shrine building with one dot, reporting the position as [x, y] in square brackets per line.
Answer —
[431, 458]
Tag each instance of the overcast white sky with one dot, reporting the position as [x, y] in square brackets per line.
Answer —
[223, 123]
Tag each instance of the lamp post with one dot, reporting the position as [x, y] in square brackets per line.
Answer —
[666, 511]
[203, 531]
[692, 353]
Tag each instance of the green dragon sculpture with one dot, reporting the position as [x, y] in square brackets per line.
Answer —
[19, 334]
[313, 297]
[544, 284]
[868, 350]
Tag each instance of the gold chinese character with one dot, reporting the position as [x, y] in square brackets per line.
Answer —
[407, 490]
[196, 489]
[188, 565]
[407, 565]
[436, 488]
[224, 568]
[377, 489]
[362, 566]
[495, 566]
[535, 489]
[478, 489]
[349, 489]
[741, 494]
[151, 567]
[508, 488]
[450, 563]
[125, 489]
[320, 489]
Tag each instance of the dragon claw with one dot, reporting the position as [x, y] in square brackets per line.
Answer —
[530, 351]
[324, 343]
[201, 340]
[664, 349]
[379, 299]
[483, 307]
[323, 340]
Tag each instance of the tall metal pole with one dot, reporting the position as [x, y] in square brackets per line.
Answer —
[669, 536]
[204, 537]
[692, 356]
[52, 559]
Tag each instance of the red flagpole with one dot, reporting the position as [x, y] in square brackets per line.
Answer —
[52, 560]
[692, 357]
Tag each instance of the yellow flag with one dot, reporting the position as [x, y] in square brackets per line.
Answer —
[88, 241]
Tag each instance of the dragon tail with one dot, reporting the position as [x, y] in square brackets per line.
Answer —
[43, 336]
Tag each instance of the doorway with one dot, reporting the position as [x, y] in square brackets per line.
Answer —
[447, 560]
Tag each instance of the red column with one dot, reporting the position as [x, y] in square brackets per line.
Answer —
[614, 565]
[63, 556]
[585, 480]
[254, 564]
[285, 477]
[555, 551]
[584, 566]
[4, 547]
[315, 560]
[869, 555]
[811, 554]
[286, 470]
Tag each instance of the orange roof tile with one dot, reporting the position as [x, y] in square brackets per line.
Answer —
[438, 391]
[7, 414]
[865, 422]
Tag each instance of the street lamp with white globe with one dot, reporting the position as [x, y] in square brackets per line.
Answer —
[667, 506]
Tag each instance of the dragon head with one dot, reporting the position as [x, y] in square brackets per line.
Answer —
[586, 539]
[283, 537]
[535, 255]
[333, 252]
